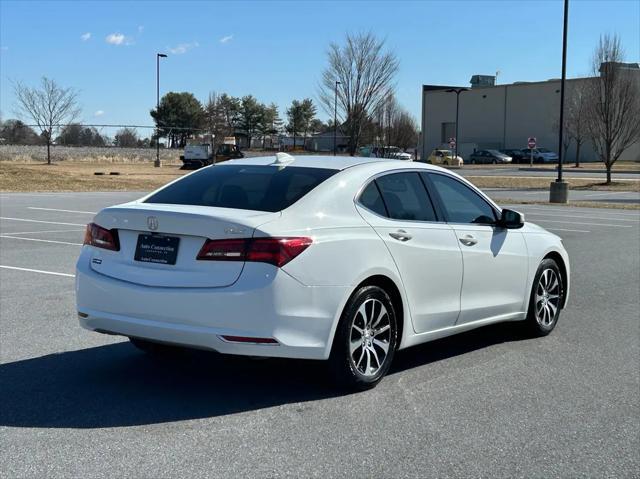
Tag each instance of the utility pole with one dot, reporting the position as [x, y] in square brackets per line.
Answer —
[559, 189]
[457, 91]
[335, 119]
[157, 163]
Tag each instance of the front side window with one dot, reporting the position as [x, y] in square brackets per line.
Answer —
[461, 203]
[248, 187]
[405, 197]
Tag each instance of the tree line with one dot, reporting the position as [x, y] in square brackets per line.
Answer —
[357, 85]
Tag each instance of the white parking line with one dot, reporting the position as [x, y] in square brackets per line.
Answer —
[38, 271]
[541, 220]
[44, 231]
[609, 193]
[573, 210]
[38, 221]
[563, 229]
[579, 215]
[64, 211]
[40, 240]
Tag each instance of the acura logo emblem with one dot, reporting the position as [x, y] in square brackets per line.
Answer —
[152, 223]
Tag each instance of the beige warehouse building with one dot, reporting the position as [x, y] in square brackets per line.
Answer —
[502, 116]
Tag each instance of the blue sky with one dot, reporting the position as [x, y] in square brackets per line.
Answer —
[276, 50]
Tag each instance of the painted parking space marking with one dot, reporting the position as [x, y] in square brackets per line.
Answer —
[39, 240]
[39, 221]
[64, 211]
[565, 229]
[584, 223]
[54, 273]
[574, 210]
[41, 231]
[580, 216]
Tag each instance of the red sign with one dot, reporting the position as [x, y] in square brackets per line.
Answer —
[531, 142]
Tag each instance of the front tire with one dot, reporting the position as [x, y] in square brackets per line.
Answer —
[545, 300]
[365, 340]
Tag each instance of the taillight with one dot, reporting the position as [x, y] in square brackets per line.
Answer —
[275, 251]
[101, 237]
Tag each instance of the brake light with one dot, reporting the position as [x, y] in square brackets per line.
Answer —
[275, 251]
[101, 237]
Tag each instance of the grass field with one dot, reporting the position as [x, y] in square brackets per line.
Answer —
[81, 176]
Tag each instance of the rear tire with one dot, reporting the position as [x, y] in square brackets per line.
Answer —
[545, 300]
[153, 348]
[365, 340]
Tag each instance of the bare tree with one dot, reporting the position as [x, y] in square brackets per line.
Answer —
[49, 106]
[126, 138]
[613, 103]
[366, 74]
[392, 125]
[576, 125]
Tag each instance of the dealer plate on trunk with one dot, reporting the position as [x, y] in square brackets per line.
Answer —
[157, 249]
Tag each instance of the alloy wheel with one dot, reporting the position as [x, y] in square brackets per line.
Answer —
[370, 337]
[547, 298]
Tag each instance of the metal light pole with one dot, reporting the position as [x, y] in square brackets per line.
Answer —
[559, 189]
[457, 91]
[157, 163]
[335, 118]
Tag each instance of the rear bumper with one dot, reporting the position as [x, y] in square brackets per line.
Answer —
[264, 303]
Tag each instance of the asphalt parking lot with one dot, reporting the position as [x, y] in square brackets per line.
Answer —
[485, 403]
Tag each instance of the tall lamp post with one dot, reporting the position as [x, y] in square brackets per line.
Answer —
[335, 119]
[457, 91]
[559, 189]
[157, 163]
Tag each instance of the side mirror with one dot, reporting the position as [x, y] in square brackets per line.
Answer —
[511, 219]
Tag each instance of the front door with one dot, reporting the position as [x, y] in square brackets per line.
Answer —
[494, 258]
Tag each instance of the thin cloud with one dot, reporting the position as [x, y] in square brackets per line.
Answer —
[98, 113]
[140, 28]
[85, 36]
[118, 39]
[226, 39]
[183, 48]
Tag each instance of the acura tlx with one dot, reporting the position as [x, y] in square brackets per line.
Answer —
[328, 258]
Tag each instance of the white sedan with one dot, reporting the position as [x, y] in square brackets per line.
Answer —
[338, 259]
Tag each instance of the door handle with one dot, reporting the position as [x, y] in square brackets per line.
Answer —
[400, 235]
[468, 240]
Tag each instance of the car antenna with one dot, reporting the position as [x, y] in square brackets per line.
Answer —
[283, 159]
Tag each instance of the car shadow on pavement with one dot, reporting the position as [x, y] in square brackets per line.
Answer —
[116, 385]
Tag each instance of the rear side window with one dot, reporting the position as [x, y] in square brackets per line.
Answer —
[461, 203]
[371, 199]
[405, 197]
[248, 187]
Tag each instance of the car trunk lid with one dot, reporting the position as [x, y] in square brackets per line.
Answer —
[185, 228]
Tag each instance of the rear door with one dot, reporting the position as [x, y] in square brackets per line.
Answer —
[424, 248]
[495, 258]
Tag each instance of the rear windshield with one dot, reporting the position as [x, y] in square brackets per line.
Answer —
[247, 187]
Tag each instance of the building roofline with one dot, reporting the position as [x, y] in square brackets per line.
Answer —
[524, 82]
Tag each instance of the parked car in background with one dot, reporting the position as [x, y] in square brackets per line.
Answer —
[444, 157]
[540, 155]
[391, 152]
[330, 258]
[517, 156]
[488, 156]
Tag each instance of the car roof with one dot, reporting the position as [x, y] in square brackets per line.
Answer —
[310, 161]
